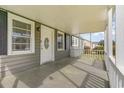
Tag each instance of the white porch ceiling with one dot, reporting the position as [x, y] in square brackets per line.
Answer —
[71, 18]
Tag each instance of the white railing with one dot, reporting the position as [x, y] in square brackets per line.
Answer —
[94, 53]
[87, 52]
[116, 78]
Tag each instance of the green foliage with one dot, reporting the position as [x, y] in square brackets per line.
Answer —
[99, 47]
[101, 42]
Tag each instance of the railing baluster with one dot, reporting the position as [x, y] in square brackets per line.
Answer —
[95, 54]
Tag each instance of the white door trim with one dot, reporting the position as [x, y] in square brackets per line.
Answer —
[53, 44]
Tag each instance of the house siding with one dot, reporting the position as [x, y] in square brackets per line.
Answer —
[11, 64]
[66, 52]
[15, 63]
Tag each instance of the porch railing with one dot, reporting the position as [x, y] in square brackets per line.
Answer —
[99, 54]
[116, 78]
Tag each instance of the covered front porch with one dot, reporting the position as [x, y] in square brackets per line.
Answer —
[46, 49]
[83, 72]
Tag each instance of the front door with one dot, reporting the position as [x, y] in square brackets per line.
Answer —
[47, 44]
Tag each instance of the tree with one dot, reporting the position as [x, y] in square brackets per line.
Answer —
[101, 42]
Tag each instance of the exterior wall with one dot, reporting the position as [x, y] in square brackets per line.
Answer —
[66, 52]
[11, 64]
[15, 63]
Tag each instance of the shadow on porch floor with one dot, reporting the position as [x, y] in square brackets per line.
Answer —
[65, 73]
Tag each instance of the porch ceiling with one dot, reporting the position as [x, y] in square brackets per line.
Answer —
[71, 19]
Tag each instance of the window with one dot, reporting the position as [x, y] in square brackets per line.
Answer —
[20, 35]
[60, 41]
[75, 41]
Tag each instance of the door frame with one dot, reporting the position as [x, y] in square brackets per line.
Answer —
[53, 44]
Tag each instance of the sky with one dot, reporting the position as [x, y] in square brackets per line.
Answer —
[95, 37]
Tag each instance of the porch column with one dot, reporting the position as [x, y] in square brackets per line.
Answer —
[105, 41]
[106, 48]
[120, 37]
[109, 33]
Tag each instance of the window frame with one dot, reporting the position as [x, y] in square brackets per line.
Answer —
[75, 43]
[12, 17]
[63, 34]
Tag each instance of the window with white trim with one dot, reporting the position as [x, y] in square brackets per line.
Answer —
[75, 41]
[20, 35]
[60, 41]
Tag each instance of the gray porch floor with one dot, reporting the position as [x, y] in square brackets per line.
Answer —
[65, 73]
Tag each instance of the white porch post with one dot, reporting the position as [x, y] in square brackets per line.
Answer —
[105, 41]
[106, 48]
[120, 37]
[109, 33]
[109, 48]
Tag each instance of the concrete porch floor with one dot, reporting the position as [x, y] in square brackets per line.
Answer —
[65, 73]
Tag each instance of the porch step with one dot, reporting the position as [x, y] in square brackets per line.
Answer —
[95, 82]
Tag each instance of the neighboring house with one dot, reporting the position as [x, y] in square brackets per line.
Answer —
[25, 43]
[88, 44]
[94, 44]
